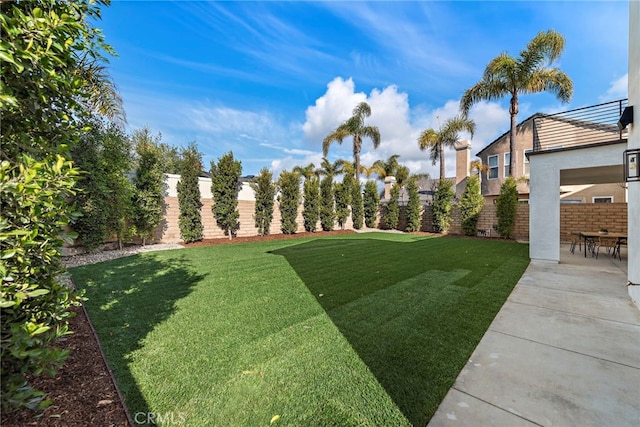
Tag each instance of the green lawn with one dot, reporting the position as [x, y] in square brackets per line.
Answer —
[347, 330]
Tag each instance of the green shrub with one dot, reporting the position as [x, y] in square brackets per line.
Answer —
[506, 206]
[148, 199]
[357, 207]
[265, 191]
[190, 219]
[225, 186]
[311, 206]
[342, 192]
[35, 197]
[289, 184]
[392, 213]
[371, 201]
[413, 207]
[327, 201]
[442, 204]
[471, 205]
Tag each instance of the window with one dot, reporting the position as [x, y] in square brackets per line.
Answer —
[570, 201]
[525, 162]
[523, 201]
[603, 199]
[493, 167]
[507, 160]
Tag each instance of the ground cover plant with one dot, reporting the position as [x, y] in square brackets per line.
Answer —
[345, 330]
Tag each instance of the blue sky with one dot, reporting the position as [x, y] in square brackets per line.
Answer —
[268, 80]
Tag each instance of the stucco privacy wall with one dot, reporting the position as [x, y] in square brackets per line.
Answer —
[169, 229]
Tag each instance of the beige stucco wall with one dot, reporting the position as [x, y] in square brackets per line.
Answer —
[524, 141]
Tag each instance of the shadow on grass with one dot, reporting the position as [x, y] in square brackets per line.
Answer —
[413, 310]
[126, 299]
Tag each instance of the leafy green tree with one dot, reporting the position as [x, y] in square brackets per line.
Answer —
[311, 196]
[44, 89]
[506, 207]
[289, 185]
[413, 207]
[446, 136]
[225, 186]
[327, 195]
[46, 49]
[148, 199]
[355, 127]
[342, 193]
[471, 205]
[190, 219]
[442, 204]
[371, 201]
[392, 213]
[357, 207]
[531, 72]
[265, 191]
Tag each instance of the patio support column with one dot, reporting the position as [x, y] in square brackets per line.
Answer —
[633, 202]
[544, 210]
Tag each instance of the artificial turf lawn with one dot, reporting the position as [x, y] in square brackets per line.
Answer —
[356, 329]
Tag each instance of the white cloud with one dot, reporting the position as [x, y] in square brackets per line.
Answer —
[399, 125]
[617, 90]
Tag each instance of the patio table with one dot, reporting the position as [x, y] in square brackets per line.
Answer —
[592, 234]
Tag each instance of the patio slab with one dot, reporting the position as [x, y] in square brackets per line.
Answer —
[564, 350]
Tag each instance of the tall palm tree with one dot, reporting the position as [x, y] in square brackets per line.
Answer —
[531, 72]
[446, 136]
[354, 126]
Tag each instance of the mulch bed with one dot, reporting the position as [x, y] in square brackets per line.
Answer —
[268, 237]
[82, 391]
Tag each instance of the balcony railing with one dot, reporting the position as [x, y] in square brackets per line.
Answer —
[596, 124]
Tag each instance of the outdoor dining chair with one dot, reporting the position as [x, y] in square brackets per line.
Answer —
[609, 243]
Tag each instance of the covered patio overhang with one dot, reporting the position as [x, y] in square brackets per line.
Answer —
[589, 164]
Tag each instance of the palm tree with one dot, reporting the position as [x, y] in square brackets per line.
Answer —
[446, 136]
[354, 126]
[307, 172]
[329, 169]
[529, 73]
[386, 168]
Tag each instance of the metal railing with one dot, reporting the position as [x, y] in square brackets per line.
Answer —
[595, 124]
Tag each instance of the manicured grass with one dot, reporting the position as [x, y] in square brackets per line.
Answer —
[347, 330]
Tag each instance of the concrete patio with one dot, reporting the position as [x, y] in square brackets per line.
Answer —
[564, 350]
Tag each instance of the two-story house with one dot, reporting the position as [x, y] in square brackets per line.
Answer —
[496, 158]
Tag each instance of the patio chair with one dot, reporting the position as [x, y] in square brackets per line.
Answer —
[608, 243]
[574, 238]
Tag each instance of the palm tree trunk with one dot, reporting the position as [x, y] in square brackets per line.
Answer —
[513, 110]
[442, 172]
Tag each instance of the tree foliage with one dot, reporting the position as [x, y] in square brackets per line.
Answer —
[342, 193]
[392, 212]
[190, 219]
[413, 207]
[530, 72]
[371, 201]
[506, 206]
[311, 206]
[357, 207]
[471, 205]
[265, 191]
[225, 186]
[327, 204]
[445, 137]
[289, 185]
[149, 182]
[442, 205]
[355, 127]
[52, 76]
